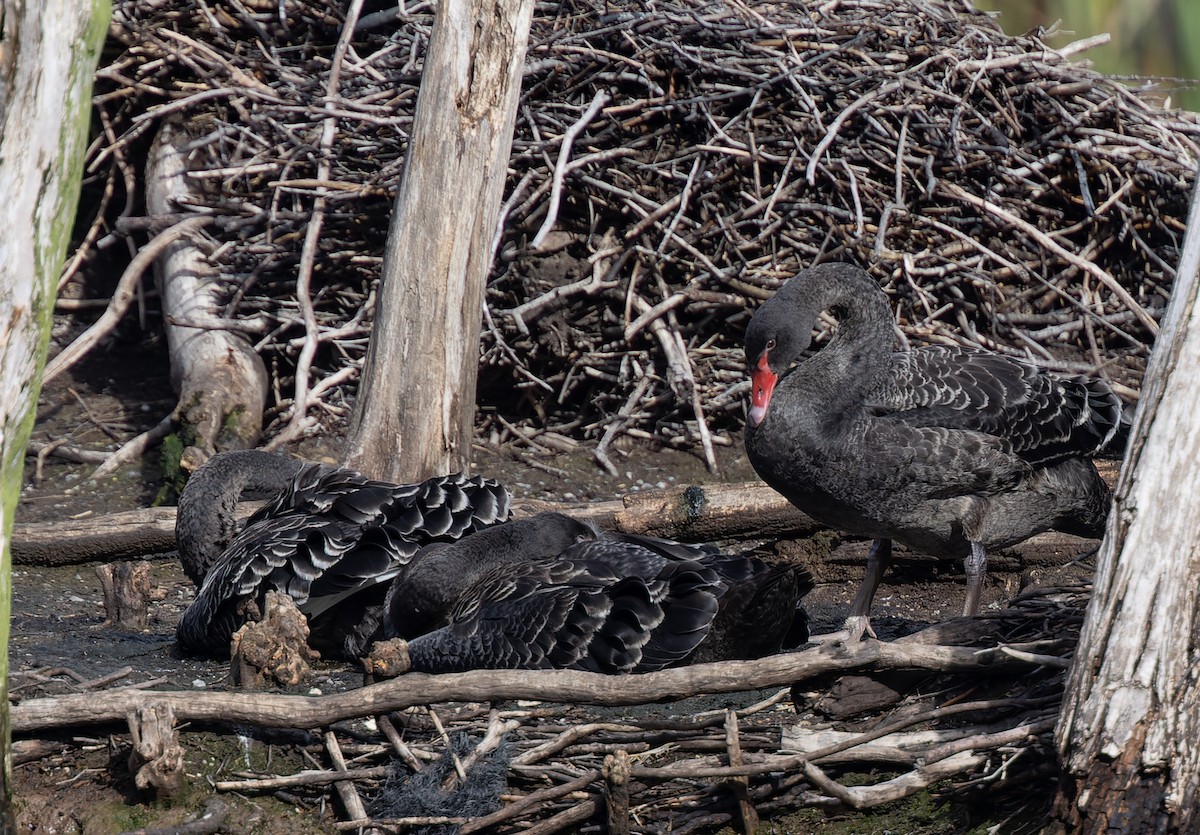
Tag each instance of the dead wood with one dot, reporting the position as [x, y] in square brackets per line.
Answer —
[133, 533]
[740, 786]
[424, 345]
[157, 758]
[557, 777]
[115, 536]
[616, 792]
[695, 513]
[273, 646]
[126, 589]
[222, 382]
[690, 513]
[550, 685]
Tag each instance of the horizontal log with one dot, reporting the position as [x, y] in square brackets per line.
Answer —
[695, 513]
[688, 513]
[567, 686]
[114, 536]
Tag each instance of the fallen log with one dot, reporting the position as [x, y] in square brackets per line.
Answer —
[115, 536]
[692, 514]
[222, 382]
[689, 513]
[571, 686]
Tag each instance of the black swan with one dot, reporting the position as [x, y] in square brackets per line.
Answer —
[331, 539]
[548, 592]
[951, 451]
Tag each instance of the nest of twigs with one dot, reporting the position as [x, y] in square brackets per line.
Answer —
[673, 163]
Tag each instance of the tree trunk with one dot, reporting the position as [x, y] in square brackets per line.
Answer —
[1130, 725]
[416, 401]
[48, 56]
[222, 382]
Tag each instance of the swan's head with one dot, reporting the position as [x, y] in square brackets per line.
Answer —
[775, 340]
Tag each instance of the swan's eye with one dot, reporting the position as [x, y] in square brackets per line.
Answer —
[770, 344]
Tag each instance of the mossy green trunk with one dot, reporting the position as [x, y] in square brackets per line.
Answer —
[47, 64]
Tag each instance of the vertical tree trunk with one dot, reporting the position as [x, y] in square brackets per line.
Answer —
[416, 401]
[1129, 734]
[48, 55]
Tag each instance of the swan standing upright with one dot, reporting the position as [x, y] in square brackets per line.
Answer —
[950, 451]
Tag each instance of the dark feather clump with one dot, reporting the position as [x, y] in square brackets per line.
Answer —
[406, 794]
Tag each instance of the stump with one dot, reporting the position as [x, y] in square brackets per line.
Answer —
[275, 647]
[157, 758]
[126, 589]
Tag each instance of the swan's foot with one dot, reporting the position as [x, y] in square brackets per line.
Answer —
[275, 647]
[856, 627]
[388, 659]
[976, 569]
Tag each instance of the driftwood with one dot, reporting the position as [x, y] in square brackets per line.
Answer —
[222, 382]
[555, 685]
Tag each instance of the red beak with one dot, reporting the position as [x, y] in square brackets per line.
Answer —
[762, 384]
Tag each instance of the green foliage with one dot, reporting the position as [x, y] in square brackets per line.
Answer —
[1149, 37]
[173, 475]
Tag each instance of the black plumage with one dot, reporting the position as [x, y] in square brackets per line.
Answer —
[331, 539]
[549, 593]
[948, 450]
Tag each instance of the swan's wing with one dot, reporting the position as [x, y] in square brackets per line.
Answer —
[575, 613]
[332, 543]
[1042, 416]
[449, 505]
[940, 462]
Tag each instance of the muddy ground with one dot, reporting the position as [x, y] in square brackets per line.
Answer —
[59, 635]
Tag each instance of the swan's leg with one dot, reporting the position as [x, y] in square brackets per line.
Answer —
[878, 560]
[976, 566]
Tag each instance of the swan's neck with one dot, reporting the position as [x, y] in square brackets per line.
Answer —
[859, 353]
[206, 520]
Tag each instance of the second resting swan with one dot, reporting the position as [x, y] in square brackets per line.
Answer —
[549, 592]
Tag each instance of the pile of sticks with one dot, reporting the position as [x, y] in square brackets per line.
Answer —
[673, 163]
[557, 764]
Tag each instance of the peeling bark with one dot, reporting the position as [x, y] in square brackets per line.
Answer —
[1131, 716]
[48, 55]
[415, 412]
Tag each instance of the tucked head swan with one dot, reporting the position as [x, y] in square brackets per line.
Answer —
[550, 592]
[330, 538]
